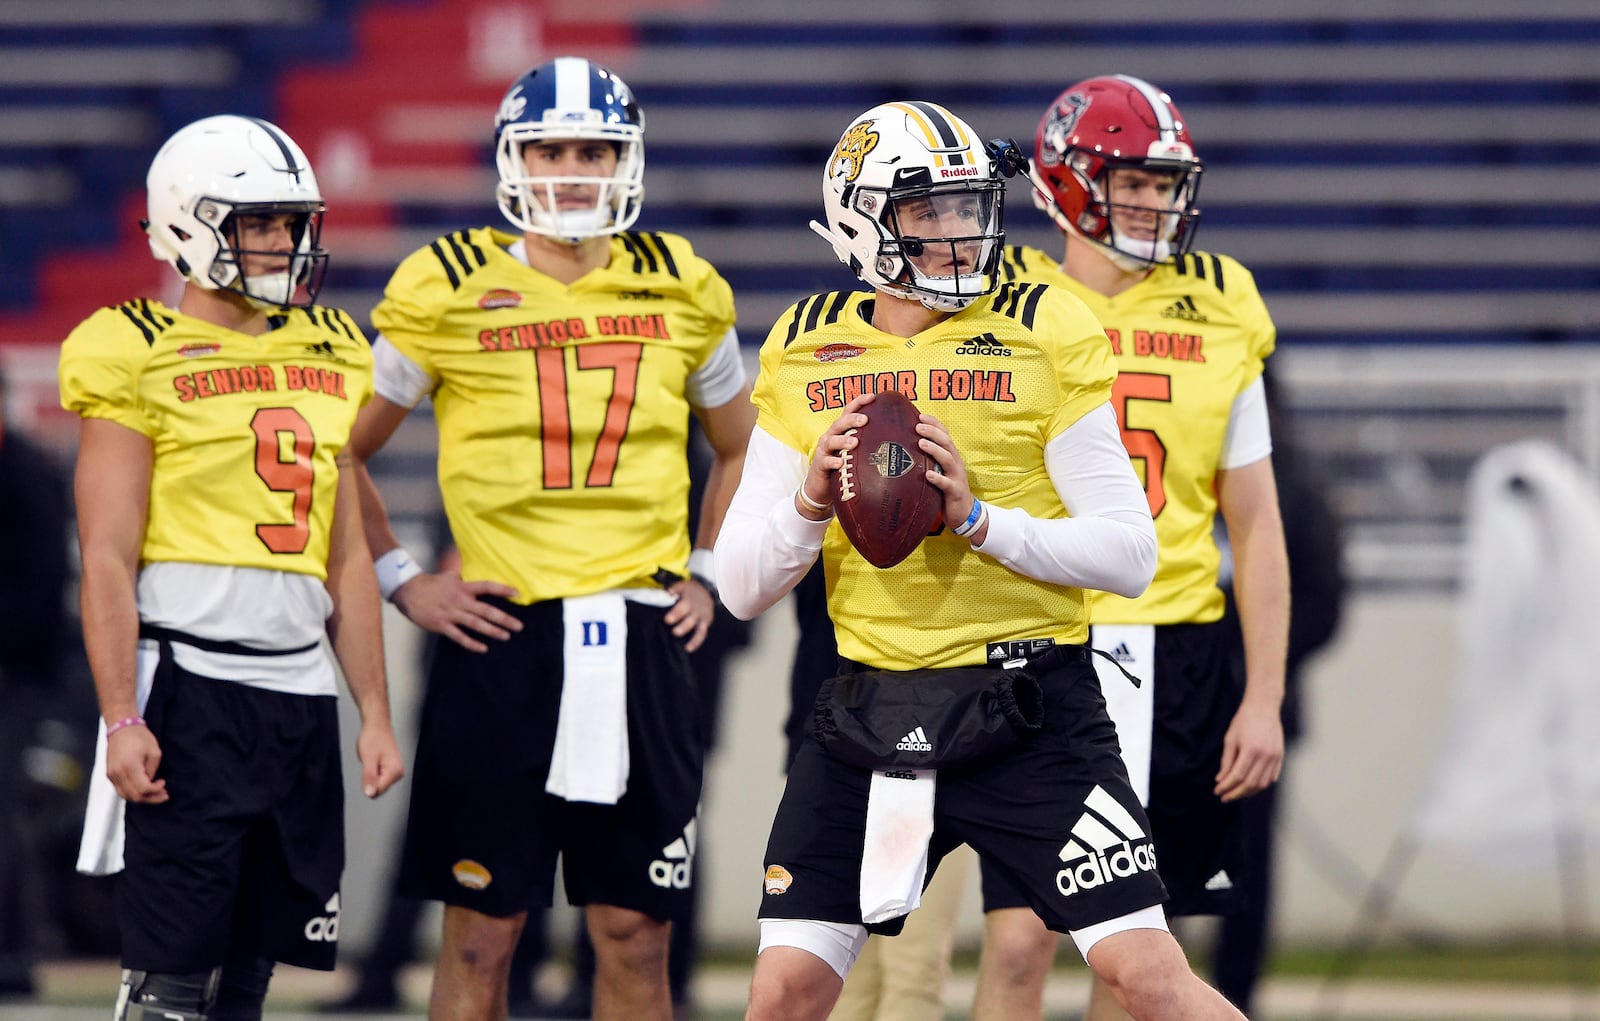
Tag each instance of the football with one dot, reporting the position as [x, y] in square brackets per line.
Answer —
[883, 498]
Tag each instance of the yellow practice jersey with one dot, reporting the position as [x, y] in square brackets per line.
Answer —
[563, 420]
[1188, 339]
[244, 429]
[1005, 375]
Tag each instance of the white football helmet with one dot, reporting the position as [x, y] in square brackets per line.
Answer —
[225, 166]
[903, 158]
[568, 98]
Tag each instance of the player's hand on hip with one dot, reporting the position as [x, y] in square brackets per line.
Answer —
[1252, 752]
[952, 479]
[691, 616]
[379, 754]
[448, 606]
[132, 757]
[825, 459]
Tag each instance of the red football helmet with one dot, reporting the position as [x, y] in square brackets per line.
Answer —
[1113, 123]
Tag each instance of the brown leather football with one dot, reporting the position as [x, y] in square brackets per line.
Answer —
[885, 503]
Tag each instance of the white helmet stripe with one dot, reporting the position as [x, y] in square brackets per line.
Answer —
[1158, 105]
[572, 84]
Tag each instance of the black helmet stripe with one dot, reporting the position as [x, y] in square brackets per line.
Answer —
[937, 120]
[290, 163]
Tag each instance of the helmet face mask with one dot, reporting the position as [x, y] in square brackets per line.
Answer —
[914, 203]
[570, 100]
[213, 188]
[1098, 136]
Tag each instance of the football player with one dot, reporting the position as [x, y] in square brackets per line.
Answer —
[221, 544]
[563, 361]
[1116, 170]
[1040, 505]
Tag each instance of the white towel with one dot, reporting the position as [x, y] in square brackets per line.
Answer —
[100, 847]
[590, 760]
[1132, 708]
[895, 859]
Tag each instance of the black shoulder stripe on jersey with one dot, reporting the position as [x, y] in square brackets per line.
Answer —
[836, 307]
[1031, 306]
[817, 310]
[666, 255]
[333, 320]
[1010, 297]
[133, 317]
[794, 321]
[464, 257]
[1195, 263]
[148, 321]
[444, 260]
[644, 259]
[478, 258]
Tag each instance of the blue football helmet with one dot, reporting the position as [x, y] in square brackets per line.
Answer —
[569, 98]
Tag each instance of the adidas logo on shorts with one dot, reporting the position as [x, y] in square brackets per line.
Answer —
[325, 928]
[916, 741]
[675, 868]
[1108, 844]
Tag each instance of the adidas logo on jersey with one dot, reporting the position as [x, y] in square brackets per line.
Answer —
[1184, 308]
[325, 349]
[1108, 844]
[984, 344]
[325, 928]
[916, 741]
[675, 868]
[1220, 881]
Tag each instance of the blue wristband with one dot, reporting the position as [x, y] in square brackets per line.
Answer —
[972, 519]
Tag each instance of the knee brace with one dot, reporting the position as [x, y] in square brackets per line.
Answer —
[160, 996]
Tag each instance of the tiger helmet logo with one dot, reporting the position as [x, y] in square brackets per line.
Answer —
[1058, 126]
[851, 155]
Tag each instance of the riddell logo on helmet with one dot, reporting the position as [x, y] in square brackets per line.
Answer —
[958, 171]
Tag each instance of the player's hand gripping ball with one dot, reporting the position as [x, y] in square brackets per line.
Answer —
[885, 503]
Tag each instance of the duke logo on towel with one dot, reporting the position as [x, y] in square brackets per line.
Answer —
[590, 759]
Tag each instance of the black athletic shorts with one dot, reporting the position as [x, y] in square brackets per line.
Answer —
[483, 834]
[245, 855]
[1056, 815]
[1200, 841]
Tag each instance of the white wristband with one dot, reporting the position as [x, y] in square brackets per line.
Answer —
[395, 568]
[702, 563]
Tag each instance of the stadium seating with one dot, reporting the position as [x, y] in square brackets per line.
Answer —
[1388, 176]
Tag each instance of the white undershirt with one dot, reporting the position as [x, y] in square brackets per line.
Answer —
[1249, 436]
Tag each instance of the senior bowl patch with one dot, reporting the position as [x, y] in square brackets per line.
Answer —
[778, 879]
[470, 874]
